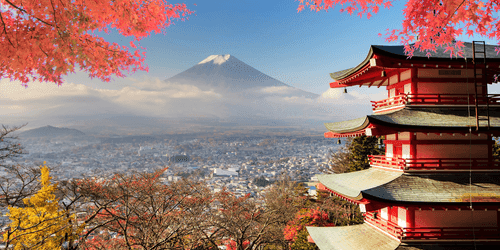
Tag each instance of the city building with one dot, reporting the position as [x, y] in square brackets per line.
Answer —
[438, 184]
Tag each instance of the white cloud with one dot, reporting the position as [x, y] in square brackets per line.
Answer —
[277, 90]
[156, 98]
[70, 98]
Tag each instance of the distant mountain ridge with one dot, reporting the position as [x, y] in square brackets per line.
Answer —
[50, 131]
[227, 72]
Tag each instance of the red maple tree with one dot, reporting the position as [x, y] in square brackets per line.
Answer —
[46, 39]
[435, 22]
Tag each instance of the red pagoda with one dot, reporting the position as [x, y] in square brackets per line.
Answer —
[438, 185]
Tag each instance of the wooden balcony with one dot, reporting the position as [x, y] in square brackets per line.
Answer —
[387, 162]
[432, 233]
[446, 233]
[385, 225]
[433, 163]
[434, 100]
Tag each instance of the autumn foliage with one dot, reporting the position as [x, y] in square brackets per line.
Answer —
[306, 217]
[427, 24]
[46, 39]
[40, 224]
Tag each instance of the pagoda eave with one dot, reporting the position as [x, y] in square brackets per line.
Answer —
[394, 61]
[346, 237]
[411, 119]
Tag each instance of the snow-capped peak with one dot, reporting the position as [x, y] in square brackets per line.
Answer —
[216, 59]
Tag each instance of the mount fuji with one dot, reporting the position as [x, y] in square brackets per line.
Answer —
[228, 73]
[218, 92]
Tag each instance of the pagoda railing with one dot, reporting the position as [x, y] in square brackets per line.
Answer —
[398, 100]
[443, 233]
[388, 162]
[430, 233]
[385, 225]
[433, 163]
[434, 100]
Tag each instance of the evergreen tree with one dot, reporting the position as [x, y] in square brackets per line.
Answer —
[359, 149]
[353, 156]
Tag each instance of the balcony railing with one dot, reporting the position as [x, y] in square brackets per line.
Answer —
[388, 226]
[388, 162]
[443, 233]
[434, 100]
[430, 233]
[433, 163]
[389, 102]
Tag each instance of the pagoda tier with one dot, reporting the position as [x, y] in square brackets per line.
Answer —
[437, 182]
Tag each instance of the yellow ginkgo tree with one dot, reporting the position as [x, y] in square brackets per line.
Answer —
[41, 223]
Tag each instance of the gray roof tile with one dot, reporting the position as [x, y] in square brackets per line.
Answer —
[351, 184]
[440, 187]
[417, 117]
[359, 237]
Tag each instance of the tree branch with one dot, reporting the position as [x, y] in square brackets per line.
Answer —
[22, 10]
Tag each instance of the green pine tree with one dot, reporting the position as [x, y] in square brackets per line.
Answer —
[353, 156]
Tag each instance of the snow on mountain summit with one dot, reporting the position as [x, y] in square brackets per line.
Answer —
[226, 72]
[216, 59]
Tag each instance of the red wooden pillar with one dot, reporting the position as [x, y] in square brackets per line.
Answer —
[413, 145]
[414, 81]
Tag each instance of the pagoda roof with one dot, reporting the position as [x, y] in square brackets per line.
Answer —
[410, 117]
[439, 188]
[351, 184]
[361, 236]
[397, 51]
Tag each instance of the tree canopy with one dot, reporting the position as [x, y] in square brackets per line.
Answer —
[40, 224]
[353, 156]
[46, 39]
[435, 22]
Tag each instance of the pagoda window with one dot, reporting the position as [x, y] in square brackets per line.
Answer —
[455, 218]
[402, 217]
[389, 150]
[406, 151]
[383, 213]
[392, 93]
[407, 88]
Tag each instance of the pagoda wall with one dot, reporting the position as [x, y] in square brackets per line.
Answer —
[451, 151]
[432, 81]
[446, 88]
[438, 145]
[414, 218]
[455, 218]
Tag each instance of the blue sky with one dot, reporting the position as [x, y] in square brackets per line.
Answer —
[299, 49]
